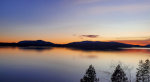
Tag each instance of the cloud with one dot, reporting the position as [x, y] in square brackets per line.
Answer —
[89, 36]
[130, 8]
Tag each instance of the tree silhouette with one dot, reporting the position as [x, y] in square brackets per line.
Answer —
[90, 75]
[143, 73]
[119, 75]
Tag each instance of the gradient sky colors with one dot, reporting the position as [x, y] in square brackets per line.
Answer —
[63, 21]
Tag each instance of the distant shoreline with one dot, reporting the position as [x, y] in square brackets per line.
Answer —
[83, 45]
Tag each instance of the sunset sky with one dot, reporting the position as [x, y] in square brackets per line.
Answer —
[64, 21]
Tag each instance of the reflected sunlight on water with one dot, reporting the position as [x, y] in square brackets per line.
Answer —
[62, 64]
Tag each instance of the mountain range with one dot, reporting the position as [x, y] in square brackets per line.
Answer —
[85, 45]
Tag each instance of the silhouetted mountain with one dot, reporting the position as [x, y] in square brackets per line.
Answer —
[8, 44]
[97, 45]
[35, 43]
[84, 45]
[29, 43]
[147, 46]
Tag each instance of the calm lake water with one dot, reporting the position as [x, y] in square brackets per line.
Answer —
[63, 64]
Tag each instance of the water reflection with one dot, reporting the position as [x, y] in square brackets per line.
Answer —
[137, 50]
[39, 48]
[36, 48]
[61, 64]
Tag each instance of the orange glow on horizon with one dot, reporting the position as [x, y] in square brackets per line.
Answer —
[135, 42]
[65, 41]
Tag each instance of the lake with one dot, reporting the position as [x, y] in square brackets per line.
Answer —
[64, 64]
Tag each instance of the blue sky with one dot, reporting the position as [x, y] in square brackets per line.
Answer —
[64, 21]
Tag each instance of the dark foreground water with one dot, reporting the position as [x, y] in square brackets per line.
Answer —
[64, 65]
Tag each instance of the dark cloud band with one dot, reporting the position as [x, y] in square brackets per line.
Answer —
[89, 36]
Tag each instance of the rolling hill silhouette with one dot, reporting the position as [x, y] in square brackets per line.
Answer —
[85, 45]
[97, 45]
[35, 43]
[148, 46]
